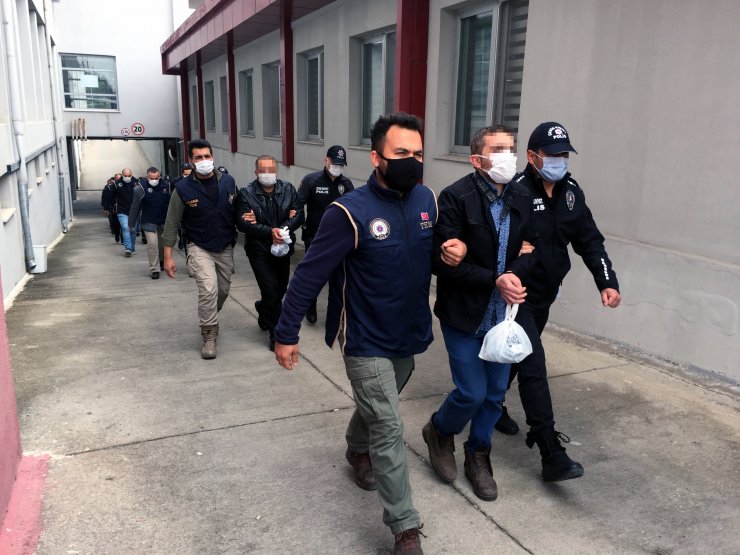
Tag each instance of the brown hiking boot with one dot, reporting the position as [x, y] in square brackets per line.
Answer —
[441, 452]
[408, 542]
[209, 334]
[363, 465]
[480, 474]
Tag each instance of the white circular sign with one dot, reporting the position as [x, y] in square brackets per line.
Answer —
[137, 128]
[125, 132]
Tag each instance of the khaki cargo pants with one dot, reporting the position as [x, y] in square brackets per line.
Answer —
[212, 272]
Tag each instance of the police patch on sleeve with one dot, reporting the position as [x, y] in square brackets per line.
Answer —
[380, 229]
[570, 199]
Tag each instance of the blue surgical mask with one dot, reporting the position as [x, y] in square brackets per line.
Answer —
[553, 168]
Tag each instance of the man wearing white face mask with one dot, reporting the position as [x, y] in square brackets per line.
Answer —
[268, 212]
[203, 203]
[151, 199]
[316, 192]
[123, 198]
[561, 218]
[493, 217]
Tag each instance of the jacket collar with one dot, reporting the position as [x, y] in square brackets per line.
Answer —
[383, 192]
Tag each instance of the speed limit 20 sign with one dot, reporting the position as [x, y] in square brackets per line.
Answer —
[137, 129]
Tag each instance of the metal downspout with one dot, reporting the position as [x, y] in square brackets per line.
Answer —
[16, 115]
[57, 121]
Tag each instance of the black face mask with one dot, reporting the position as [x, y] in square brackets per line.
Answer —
[402, 173]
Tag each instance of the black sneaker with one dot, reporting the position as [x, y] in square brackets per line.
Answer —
[506, 424]
[155, 275]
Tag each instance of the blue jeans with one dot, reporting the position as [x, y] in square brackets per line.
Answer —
[479, 391]
[128, 237]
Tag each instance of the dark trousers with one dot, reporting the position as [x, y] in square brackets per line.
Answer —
[272, 274]
[532, 371]
[115, 226]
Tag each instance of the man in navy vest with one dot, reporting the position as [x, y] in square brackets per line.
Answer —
[151, 199]
[375, 245]
[203, 203]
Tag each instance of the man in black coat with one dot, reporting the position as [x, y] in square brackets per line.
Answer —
[561, 217]
[494, 219]
[316, 192]
[268, 212]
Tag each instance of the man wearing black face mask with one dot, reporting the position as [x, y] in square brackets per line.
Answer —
[374, 244]
[561, 217]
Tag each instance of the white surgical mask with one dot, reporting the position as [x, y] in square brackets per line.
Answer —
[267, 179]
[154, 182]
[204, 167]
[503, 166]
[127, 179]
[335, 170]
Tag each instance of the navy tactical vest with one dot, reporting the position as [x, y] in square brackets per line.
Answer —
[155, 202]
[379, 299]
[209, 226]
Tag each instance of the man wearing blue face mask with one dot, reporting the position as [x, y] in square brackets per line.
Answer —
[561, 218]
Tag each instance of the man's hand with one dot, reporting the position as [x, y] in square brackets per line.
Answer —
[106, 212]
[286, 355]
[527, 248]
[453, 252]
[170, 267]
[292, 214]
[277, 238]
[249, 217]
[511, 289]
[610, 297]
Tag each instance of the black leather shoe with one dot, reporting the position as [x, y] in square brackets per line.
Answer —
[311, 316]
[506, 424]
[155, 275]
[556, 464]
[143, 240]
[260, 321]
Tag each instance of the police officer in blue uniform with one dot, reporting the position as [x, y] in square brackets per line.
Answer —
[151, 200]
[203, 203]
[316, 192]
[561, 218]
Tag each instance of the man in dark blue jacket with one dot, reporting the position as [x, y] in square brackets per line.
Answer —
[122, 199]
[151, 199]
[203, 203]
[494, 218]
[375, 245]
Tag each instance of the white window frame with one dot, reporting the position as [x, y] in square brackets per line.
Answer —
[66, 93]
[305, 104]
[271, 101]
[209, 99]
[494, 68]
[387, 80]
[246, 103]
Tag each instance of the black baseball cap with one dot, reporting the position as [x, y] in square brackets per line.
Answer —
[551, 137]
[337, 155]
[185, 167]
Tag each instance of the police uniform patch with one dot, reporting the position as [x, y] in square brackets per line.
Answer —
[340, 189]
[380, 229]
[151, 190]
[570, 199]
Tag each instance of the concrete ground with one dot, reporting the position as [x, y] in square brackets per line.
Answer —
[156, 451]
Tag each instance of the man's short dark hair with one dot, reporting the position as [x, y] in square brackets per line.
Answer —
[152, 169]
[263, 158]
[380, 128]
[198, 143]
[476, 143]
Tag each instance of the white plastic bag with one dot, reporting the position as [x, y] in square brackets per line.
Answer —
[506, 342]
[282, 249]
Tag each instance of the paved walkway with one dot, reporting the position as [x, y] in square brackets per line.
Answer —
[156, 451]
